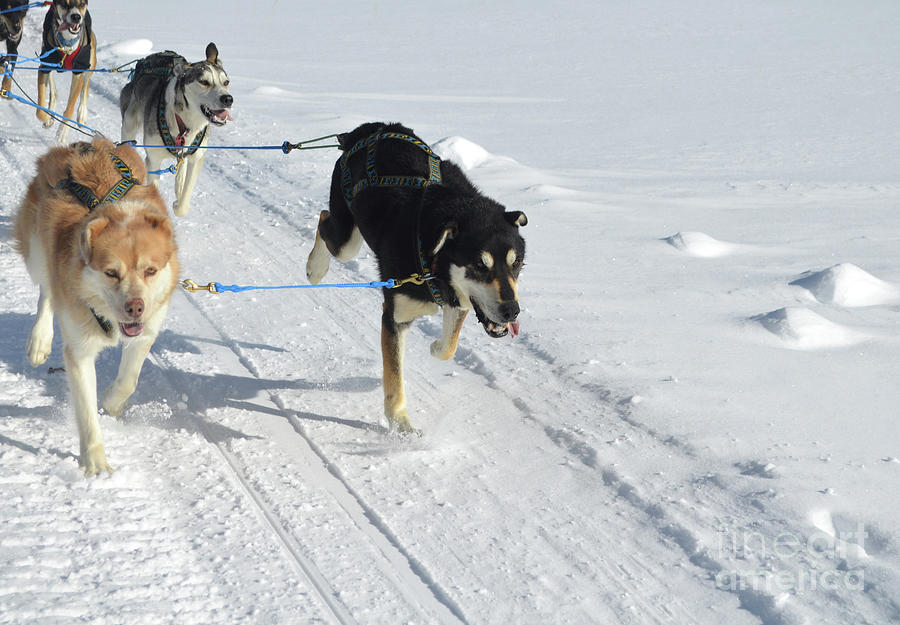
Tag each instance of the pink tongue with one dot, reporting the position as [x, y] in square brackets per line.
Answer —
[514, 329]
[131, 329]
[224, 115]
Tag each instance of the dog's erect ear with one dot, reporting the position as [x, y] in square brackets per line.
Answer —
[91, 230]
[159, 222]
[448, 232]
[516, 218]
[212, 54]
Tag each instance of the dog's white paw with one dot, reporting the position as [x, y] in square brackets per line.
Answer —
[318, 262]
[115, 402]
[45, 119]
[440, 351]
[93, 462]
[181, 207]
[40, 343]
[62, 134]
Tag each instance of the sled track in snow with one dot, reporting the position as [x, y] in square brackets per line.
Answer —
[420, 591]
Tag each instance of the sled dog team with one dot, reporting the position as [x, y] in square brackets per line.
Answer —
[97, 239]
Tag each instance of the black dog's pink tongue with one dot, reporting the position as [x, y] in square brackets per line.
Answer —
[514, 329]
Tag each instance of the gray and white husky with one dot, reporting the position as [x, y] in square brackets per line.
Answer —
[174, 102]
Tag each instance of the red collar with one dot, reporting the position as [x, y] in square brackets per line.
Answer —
[68, 60]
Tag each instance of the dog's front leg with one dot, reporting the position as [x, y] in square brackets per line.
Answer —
[185, 181]
[83, 386]
[40, 340]
[45, 84]
[393, 343]
[83, 99]
[12, 53]
[445, 347]
[134, 353]
[79, 84]
[319, 257]
[153, 161]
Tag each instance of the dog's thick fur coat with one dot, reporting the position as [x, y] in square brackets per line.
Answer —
[470, 243]
[107, 274]
[192, 96]
[68, 31]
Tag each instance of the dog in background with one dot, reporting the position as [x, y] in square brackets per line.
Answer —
[67, 31]
[421, 217]
[173, 103]
[100, 246]
[11, 22]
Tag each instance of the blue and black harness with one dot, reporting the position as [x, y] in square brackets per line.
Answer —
[373, 180]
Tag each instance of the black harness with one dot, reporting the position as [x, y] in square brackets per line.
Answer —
[374, 179]
[162, 64]
[87, 197]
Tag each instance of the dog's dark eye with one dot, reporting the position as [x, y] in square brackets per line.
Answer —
[482, 266]
[150, 271]
[226, 83]
[112, 273]
[204, 82]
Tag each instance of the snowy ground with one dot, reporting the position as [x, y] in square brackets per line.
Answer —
[698, 423]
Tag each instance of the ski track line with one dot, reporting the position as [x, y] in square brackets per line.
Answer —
[412, 580]
[267, 517]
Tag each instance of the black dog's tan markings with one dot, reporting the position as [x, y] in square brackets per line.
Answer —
[11, 22]
[414, 210]
[68, 40]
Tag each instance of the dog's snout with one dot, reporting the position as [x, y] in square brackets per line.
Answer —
[75, 17]
[509, 310]
[227, 100]
[134, 308]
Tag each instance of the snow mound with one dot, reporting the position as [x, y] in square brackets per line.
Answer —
[270, 90]
[551, 191]
[849, 286]
[700, 245]
[802, 329]
[130, 47]
[461, 151]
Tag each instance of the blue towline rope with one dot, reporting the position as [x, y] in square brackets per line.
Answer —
[218, 287]
[55, 115]
[285, 147]
[56, 67]
[171, 169]
[234, 288]
[25, 7]
[21, 58]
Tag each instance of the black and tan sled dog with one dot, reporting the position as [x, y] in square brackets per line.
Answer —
[421, 217]
[12, 18]
[69, 41]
